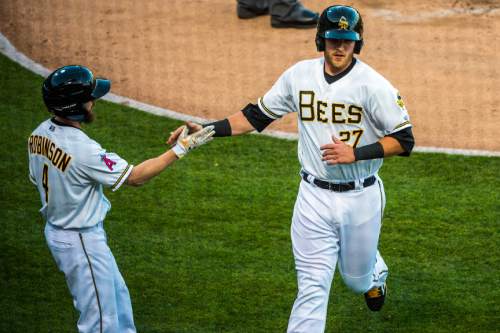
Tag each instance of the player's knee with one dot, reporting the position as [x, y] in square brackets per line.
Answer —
[314, 291]
[315, 287]
[358, 284]
[311, 301]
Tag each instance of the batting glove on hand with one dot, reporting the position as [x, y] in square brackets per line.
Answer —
[186, 142]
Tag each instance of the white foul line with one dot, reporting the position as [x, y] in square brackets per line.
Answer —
[11, 52]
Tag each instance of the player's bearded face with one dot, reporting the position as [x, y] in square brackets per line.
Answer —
[338, 55]
[90, 115]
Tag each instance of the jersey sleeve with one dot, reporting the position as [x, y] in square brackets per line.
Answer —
[104, 167]
[388, 110]
[31, 173]
[278, 101]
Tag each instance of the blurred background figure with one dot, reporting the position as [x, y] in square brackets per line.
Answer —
[284, 13]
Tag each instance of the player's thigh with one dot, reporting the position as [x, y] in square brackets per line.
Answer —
[64, 247]
[359, 233]
[103, 268]
[113, 293]
[121, 290]
[314, 236]
[71, 259]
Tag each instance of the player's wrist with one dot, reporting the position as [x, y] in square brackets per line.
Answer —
[369, 152]
[179, 150]
[221, 127]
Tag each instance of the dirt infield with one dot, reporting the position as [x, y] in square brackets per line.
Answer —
[197, 57]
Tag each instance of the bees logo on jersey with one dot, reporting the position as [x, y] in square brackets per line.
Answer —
[400, 102]
[313, 109]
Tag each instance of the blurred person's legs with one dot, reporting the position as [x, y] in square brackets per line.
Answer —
[284, 13]
[291, 14]
[252, 8]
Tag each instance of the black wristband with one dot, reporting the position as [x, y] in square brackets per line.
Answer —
[369, 152]
[221, 127]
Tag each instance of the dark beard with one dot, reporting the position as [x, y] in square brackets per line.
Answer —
[89, 117]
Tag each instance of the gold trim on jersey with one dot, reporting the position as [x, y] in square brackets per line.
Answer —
[401, 125]
[120, 178]
[41, 145]
[272, 114]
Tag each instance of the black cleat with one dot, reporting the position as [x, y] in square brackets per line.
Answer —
[298, 17]
[375, 297]
[247, 13]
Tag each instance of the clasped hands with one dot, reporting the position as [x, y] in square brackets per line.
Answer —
[188, 137]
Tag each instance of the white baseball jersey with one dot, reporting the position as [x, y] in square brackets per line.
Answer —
[69, 170]
[359, 108]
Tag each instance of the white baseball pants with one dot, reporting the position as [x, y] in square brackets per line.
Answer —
[329, 228]
[98, 289]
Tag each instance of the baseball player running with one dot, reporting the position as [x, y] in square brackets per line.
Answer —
[349, 119]
[70, 169]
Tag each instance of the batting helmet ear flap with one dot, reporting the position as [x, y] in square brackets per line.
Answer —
[320, 43]
[358, 46]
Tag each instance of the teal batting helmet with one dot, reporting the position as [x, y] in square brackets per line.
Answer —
[340, 22]
[66, 89]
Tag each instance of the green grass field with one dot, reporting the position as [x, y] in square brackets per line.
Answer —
[205, 247]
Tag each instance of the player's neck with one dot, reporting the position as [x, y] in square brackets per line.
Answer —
[68, 122]
[333, 70]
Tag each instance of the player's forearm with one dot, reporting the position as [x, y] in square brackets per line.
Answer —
[150, 168]
[385, 147]
[236, 124]
[239, 124]
[391, 146]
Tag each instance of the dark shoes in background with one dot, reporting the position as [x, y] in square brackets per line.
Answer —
[247, 13]
[297, 16]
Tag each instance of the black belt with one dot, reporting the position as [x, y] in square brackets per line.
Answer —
[338, 187]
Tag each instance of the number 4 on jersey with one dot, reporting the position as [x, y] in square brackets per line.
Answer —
[45, 181]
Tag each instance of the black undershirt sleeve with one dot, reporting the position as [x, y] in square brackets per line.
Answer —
[256, 117]
[405, 139]
[260, 121]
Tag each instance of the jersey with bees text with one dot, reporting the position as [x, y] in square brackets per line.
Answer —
[359, 108]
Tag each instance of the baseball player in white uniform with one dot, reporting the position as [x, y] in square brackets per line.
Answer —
[70, 169]
[349, 119]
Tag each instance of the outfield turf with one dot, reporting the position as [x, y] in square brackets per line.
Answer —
[205, 247]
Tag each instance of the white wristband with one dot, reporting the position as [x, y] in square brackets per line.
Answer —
[179, 150]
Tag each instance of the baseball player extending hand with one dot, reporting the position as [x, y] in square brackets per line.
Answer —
[69, 169]
[349, 118]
